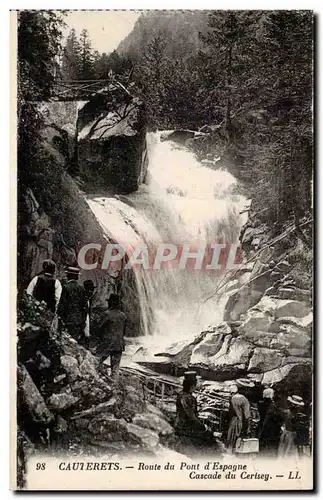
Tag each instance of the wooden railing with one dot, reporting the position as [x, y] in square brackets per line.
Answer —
[162, 391]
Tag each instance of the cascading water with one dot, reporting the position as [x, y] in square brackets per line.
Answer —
[183, 202]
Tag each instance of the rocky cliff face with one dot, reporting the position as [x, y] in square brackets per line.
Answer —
[97, 145]
[180, 28]
[111, 133]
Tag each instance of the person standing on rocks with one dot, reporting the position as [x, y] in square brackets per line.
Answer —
[111, 331]
[45, 288]
[188, 427]
[291, 428]
[73, 306]
[269, 425]
[187, 422]
[239, 415]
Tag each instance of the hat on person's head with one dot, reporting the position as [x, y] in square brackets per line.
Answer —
[49, 266]
[268, 393]
[190, 376]
[296, 400]
[75, 271]
[244, 382]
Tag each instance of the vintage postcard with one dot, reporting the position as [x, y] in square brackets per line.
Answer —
[162, 251]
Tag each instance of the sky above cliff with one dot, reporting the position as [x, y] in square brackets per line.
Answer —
[106, 28]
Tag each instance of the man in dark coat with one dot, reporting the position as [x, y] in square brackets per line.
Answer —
[193, 434]
[111, 331]
[187, 422]
[73, 306]
[269, 425]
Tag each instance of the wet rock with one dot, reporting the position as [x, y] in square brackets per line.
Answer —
[109, 428]
[292, 308]
[146, 438]
[234, 351]
[289, 377]
[106, 407]
[259, 338]
[305, 323]
[32, 398]
[209, 346]
[153, 409]
[239, 302]
[129, 403]
[62, 401]
[294, 294]
[173, 349]
[289, 360]
[72, 348]
[71, 367]
[295, 343]
[256, 321]
[154, 422]
[263, 360]
[89, 366]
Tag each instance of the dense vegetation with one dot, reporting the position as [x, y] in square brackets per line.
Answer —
[252, 81]
[40, 167]
[79, 61]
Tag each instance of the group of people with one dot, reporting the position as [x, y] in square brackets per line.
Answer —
[280, 430]
[72, 303]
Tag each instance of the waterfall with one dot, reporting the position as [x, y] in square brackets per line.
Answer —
[182, 202]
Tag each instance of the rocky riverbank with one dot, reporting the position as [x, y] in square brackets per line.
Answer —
[67, 403]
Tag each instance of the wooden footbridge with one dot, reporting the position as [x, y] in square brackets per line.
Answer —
[79, 90]
[162, 390]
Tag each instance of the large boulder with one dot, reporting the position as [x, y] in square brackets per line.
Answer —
[111, 133]
[263, 360]
[207, 348]
[295, 343]
[291, 308]
[234, 351]
[154, 422]
[71, 366]
[29, 395]
[240, 301]
[256, 321]
[62, 401]
[294, 376]
[144, 437]
[113, 429]
[109, 428]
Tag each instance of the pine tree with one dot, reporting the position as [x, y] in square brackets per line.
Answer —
[71, 60]
[86, 56]
[39, 44]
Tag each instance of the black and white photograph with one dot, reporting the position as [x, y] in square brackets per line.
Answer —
[163, 262]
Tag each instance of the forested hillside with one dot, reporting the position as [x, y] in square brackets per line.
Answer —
[248, 76]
